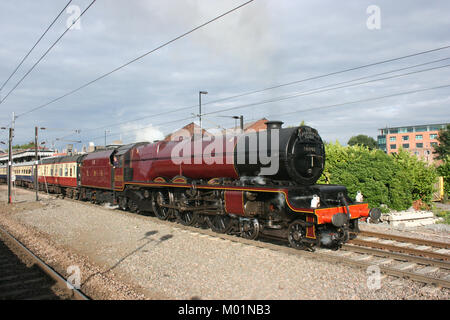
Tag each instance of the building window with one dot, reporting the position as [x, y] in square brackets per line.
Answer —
[393, 146]
[402, 130]
[393, 139]
[433, 144]
[405, 138]
[421, 129]
[419, 137]
[405, 145]
[419, 145]
[433, 136]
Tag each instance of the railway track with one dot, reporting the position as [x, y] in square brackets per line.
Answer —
[395, 257]
[23, 276]
[398, 265]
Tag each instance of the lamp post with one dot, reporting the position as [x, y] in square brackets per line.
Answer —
[36, 184]
[241, 123]
[9, 162]
[106, 131]
[200, 109]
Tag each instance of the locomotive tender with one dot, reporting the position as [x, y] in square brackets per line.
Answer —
[260, 183]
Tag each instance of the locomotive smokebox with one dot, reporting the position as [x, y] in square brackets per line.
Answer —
[285, 154]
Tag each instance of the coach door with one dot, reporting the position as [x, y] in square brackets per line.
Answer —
[118, 171]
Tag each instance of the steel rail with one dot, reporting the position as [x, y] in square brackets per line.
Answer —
[397, 256]
[424, 242]
[76, 294]
[383, 246]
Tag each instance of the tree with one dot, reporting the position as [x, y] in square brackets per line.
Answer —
[363, 140]
[443, 149]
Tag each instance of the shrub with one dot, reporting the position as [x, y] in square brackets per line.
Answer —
[394, 180]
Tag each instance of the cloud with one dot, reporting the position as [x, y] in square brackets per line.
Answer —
[263, 44]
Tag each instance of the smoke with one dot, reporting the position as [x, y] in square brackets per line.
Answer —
[253, 180]
[326, 239]
[149, 133]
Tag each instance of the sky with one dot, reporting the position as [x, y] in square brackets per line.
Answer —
[261, 45]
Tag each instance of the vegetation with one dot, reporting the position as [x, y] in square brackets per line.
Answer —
[363, 140]
[443, 153]
[28, 145]
[443, 149]
[443, 214]
[394, 180]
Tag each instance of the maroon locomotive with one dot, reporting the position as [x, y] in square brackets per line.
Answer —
[260, 183]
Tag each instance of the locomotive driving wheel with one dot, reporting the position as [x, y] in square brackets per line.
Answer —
[161, 199]
[249, 229]
[133, 206]
[123, 205]
[296, 234]
[220, 223]
[185, 217]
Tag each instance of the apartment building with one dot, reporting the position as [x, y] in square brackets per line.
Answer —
[418, 140]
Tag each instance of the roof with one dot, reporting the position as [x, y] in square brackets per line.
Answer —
[416, 125]
[257, 125]
[187, 131]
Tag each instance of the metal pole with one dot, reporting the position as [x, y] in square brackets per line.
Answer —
[241, 118]
[9, 164]
[200, 110]
[37, 160]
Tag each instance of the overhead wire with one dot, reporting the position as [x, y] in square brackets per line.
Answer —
[45, 53]
[135, 59]
[290, 83]
[34, 46]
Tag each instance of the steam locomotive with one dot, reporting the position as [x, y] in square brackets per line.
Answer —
[253, 184]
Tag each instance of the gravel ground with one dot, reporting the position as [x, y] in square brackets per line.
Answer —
[128, 256]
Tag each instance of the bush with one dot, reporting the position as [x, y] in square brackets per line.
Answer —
[394, 180]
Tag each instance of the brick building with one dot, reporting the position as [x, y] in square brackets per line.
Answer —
[418, 140]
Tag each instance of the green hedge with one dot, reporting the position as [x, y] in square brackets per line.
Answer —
[394, 180]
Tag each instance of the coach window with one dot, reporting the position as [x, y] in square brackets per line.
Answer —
[70, 171]
[60, 172]
[66, 171]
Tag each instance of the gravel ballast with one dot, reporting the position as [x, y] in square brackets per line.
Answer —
[147, 259]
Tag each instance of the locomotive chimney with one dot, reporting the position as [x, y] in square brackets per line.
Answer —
[274, 125]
